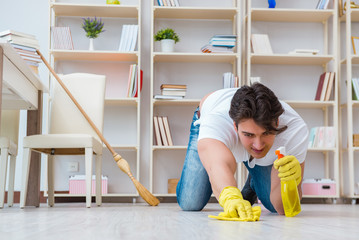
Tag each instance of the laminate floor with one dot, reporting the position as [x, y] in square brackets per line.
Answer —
[167, 221]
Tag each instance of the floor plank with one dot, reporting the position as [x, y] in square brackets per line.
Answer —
[168, 221]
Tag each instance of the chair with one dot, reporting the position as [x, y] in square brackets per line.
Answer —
[8, 145]
[69, 132]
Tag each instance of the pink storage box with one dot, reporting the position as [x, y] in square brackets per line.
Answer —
[319, 187]
[77, 184]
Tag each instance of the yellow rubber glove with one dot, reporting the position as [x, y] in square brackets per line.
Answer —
[235, 207]
[288, 168]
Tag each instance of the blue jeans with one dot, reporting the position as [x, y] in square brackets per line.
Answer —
[194, 188]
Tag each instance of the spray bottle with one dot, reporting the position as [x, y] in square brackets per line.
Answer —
[289, 191]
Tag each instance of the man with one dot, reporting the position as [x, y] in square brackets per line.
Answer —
[242, 125]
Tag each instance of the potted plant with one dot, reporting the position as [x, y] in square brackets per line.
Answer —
[168, 38]
[93, 27]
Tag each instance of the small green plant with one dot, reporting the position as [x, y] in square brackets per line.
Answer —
[166, 33]
[93, 27]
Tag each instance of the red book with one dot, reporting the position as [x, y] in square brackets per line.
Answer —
[320, 87]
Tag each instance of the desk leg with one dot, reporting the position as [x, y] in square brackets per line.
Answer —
[34, 125]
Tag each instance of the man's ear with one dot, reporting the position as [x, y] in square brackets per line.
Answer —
[235, 127]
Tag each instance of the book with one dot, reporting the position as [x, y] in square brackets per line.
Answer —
[330, 86]
[167, 130]
[325, 86]
[174, 86]
[355, 89]
[173, 92]
[260, 44]
[61, 38]
[162, 131]
[208, 48]
[177, 3]
[319, 87]
[168, 97]
[21, 34]
[157, 131]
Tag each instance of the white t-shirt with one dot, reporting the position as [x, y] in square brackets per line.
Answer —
[216, 123]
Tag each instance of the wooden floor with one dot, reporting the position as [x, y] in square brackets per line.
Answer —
[167, 221]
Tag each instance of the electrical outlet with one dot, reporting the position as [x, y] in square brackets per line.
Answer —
[73, 167]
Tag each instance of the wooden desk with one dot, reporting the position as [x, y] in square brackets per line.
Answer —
[21, 88]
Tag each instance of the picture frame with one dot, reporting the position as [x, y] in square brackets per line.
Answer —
[341, 8]
[355, 43]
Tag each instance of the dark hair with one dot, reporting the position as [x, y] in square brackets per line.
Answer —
[259, 103]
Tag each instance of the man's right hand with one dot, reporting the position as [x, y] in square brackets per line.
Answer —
[235, 206]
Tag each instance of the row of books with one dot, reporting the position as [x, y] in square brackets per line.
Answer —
[25, 45]
[260, 44]
[230, 80]
[168, 3]
[172, 91]
[162, 131]
[132, 84]
[61, 38]
[128, 38]
[355, 88]
[322, 4]
[322, 137]
[325, 86]
[220, 43]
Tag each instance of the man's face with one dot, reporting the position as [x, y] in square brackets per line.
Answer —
[255, 139]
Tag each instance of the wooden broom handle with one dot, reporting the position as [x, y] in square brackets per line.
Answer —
[77, 105]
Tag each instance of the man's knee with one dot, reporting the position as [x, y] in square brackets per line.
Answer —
[190, 205]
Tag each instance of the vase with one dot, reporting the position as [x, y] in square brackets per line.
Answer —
[167, 45]
[91, 48]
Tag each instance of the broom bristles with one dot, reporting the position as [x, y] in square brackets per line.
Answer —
[145, 194]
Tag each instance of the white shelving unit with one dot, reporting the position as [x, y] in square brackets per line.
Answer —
[282, 71]
[349, 67]
[122, 114]
[198, 20]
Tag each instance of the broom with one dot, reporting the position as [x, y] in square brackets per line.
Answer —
[121, 163]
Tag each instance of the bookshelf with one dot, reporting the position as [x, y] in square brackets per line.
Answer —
[122, 113]
[349, 111]
[289, 26]
[195, 22]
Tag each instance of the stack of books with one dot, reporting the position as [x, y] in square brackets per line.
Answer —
[128, 38]
[220, 43]
[172, 91]
[26, 45]
[168, 3]
[230, 81]
[132, 84]
[322, 137]
[162, 131]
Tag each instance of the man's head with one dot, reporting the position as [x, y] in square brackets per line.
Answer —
[255, 111]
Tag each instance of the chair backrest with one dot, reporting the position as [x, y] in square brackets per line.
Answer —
[10, 124]
[89, 91]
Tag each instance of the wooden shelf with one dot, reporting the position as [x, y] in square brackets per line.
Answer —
[98, 10]
[169, 148]
[290, 59]
[84, 55]
[354, 16]
[194, 57]
[194, 13]
[322, 149]
[123, 147]
[181, 102]
[310, 104]
[290, 15]
[353, 58]
[321, 196]
[121, 101]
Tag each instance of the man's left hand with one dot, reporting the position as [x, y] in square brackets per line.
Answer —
[288, 168]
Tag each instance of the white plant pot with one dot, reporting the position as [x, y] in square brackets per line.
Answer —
[167, 45]
[91, 48]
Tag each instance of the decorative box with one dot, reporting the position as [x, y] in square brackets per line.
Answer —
[77, 184]
[355, 140]
[320, 187]
[172, 185]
